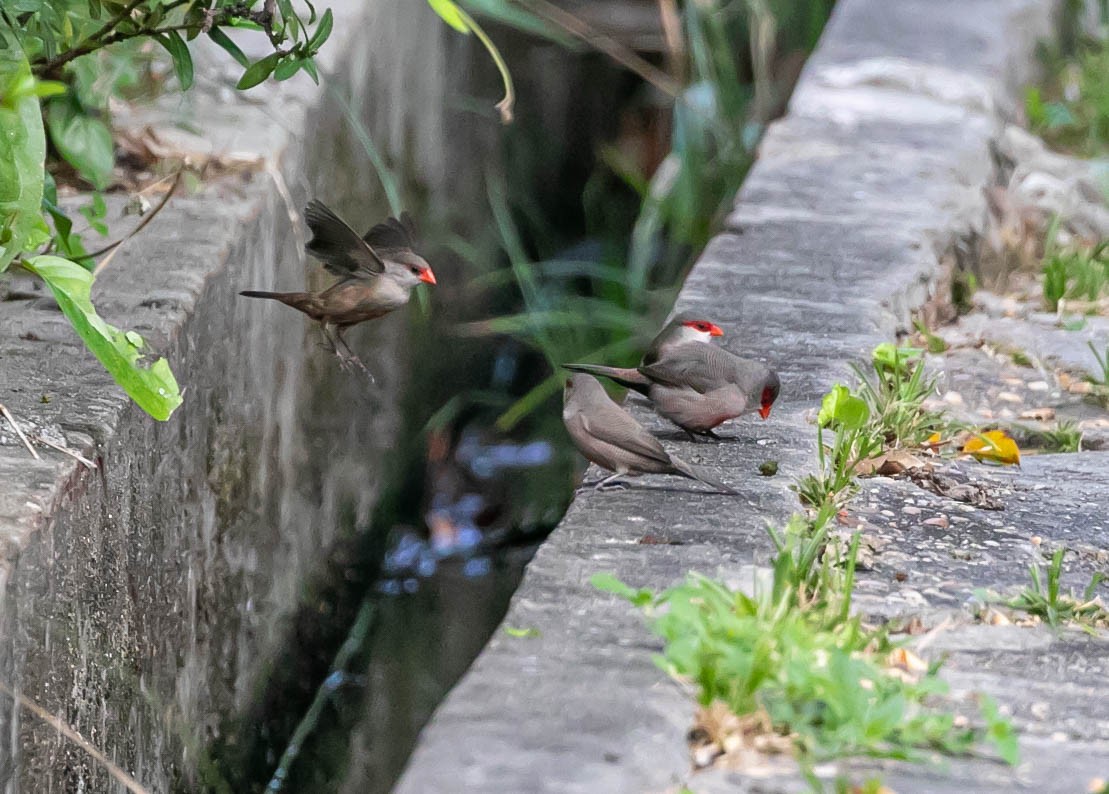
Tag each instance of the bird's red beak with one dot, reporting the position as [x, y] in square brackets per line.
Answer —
[427, 276]
[715, 330]
[764, 412]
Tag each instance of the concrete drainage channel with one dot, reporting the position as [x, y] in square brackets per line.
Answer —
[116, 586]
[842, 230]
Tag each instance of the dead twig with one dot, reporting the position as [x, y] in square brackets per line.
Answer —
[11, 421]
[115, 771]
[113, 249]
[66, 450]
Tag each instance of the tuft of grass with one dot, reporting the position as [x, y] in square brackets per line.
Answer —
[1075, 272]
[1045, 599]
[792, 650]
[894, 389]
[1101, 377]
[1064, 437]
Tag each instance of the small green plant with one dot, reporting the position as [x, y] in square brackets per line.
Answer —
[791, 649]
[1075, 272]
[1101, 376]
[1044, 598]
[894, 389]
[1071, 111]
[847, 416]
[1066, 436]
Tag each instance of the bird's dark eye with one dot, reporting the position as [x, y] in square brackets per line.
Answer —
[416, 270]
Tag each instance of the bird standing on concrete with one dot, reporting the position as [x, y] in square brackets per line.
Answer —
[607, 435]
[376, 274]
[696, 385]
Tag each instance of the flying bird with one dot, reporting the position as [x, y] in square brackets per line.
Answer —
[696, 385]
[607, 435]
[376, 274]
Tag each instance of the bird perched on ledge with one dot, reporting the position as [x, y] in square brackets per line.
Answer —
[376, 274]
[607, 435]
[693, 383]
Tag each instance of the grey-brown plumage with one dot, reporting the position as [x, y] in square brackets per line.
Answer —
[696, 385]
[376, 273]
[685, 327]
[607, 435]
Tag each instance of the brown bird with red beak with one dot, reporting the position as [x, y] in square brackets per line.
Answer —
[376, 274]
[696, 385]
[607, 435]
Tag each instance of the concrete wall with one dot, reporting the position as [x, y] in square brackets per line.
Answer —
[140, 601]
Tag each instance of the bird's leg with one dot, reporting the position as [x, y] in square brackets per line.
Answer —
[351, 356]
[717, 437]
[344, 362]
[694, 437]
[605, 483]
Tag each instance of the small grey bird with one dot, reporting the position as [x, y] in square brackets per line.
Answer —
[696, 385]
[376, 274]
[607, 435]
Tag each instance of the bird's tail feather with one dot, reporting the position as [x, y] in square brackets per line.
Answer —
[697, 473]
[626, 377]
[297, 300]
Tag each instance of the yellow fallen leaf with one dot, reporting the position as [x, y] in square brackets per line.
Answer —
[904, 659]
[995, 445]
[934, 440]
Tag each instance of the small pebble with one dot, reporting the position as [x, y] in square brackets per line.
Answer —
[1009, 397]
[1038, 385]
[938, 521]
[911, 511]
[953, 398]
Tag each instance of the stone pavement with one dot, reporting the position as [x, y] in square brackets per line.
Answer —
[862, 198]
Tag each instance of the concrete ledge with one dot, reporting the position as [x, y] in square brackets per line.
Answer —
[840, 232]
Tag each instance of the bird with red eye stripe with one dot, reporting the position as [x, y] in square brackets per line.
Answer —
[377, 273]
[690, 381]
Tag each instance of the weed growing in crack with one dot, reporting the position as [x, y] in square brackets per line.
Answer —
[1044, 598]
[894, 389]
[1101, 377]
[1066, 436]
[847, 417]
[1076, 272]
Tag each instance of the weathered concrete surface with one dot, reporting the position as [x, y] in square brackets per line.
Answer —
[841, 230]
[140, 601]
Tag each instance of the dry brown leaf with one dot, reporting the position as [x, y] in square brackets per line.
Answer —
[889, 463]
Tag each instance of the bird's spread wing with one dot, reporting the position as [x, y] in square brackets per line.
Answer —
[619, 429]
[393, 233]
[338, 246]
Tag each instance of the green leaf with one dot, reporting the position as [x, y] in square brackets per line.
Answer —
[323, 30]
[521, 633]
[287, 69]
[999, 731]
[258, 71]
[450, 13]
[182, 60]
[842, 409]
[22, 152]
[608, 583]
[232, 49]
[85, 142]
[153, 387]
[310, 66]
